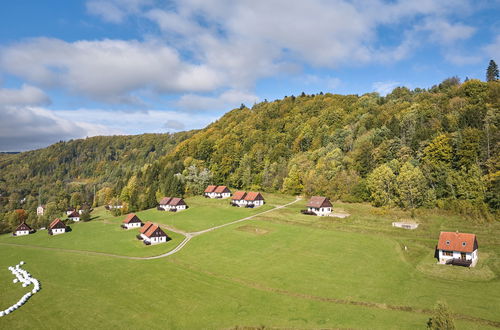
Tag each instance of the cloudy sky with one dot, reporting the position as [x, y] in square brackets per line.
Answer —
[71, 69]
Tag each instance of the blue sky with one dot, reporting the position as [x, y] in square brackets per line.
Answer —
[71, 69]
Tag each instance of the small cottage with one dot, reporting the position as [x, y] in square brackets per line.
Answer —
[40, 209]
[75, 216]
[57, 227]
[222, 192]
[254, 199]
[319, 205]
[131, 221]
[152, 234]
[210, 191]
[22, 229]
[457, 249]
[238, 198]
[172, 204]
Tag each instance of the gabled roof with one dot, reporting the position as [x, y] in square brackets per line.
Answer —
[254, 196]
[131, 218]
[239, 195]
[74, 214]
[154, 231]
[176, 201]
[146, 227]
[57, 223]
[455, 241]
[319, 201]
[165, 200]
[210, 189]
[23, 226]
[222, 189]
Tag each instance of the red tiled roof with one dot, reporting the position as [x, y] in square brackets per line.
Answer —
[221, 189]
[254, 196]
[165, 200]
[455, 241]
[176, 201]
[152, 229]
[57, 223]
[131, 218]
[239, 195]
[146, 227]
[319, 201]
[210, 189]
[23, 226]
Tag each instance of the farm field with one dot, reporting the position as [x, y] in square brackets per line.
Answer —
[281, 269]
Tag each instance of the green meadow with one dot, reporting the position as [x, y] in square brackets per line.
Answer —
[279, 270]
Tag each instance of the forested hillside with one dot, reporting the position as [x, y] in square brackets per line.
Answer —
[412, 148]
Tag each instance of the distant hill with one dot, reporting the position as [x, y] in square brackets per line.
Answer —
[411, 148]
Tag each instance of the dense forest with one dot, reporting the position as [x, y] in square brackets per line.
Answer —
[436, 147]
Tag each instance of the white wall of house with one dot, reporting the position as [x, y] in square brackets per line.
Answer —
[154, 240]
[257, 203]
[57, 231]
[22, 232]
[75, 218]
[180, 207]
[211, 194]
[39, 210]
[132, 225]
[69, 212]
[165, 207]
[239, 202]
[443, 257]
[225, 195]
[321, 211]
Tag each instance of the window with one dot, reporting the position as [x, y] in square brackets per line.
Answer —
[447, 242]
[464, 244]
[448, 253]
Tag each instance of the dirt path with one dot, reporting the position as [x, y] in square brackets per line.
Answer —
[187, 238]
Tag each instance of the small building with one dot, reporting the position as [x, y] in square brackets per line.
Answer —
[131, 221]
[57, 227]
[69, 211]
[238, 198]
[254, 199]
[320, 206]
[222, 192]
[457, 249]
[152, 234]
[40, 209]
[22, 229]
[113, 206]
[172, 204]
[75, 216]
[210, 191]
[405, 225]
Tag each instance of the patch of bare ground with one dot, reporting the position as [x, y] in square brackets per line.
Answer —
[252, 230]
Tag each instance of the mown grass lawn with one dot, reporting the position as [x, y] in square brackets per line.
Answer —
[282, 269]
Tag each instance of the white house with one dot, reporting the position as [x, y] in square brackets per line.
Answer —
[254, 199]
[152, 234]
[457, 249]
[75, 216]
[238, 198]
[222, 192]
[22, 229]
[172, 204]
[131, 221]
[210, 191]
[319, 205]
[57, 227]
[40, 209]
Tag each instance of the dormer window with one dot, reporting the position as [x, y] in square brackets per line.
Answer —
[447, 242]
[464, 244]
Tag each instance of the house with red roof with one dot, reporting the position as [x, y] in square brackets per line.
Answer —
[57, 227]
[74, 215]
[22, 229]
[131, 221]
[217, 192]
[172, 204]
[457, 249]
[319, 205]
[254, 199]
[210, 191]
[238, 198]
[152, 234]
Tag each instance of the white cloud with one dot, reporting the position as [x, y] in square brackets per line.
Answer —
[493, 49]
[385, 87]
[27, 95]
[227, 100]
[173, 124]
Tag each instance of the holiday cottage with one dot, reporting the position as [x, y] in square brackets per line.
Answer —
[40, 209]
[457, 249]
[75, 216]
[319, 205]
[254, 199]
[222, 192]
[152, 234]
[57, 227]
[22, 229]
[238, 198]
[172, 204]
[210, 192]
[131, 221]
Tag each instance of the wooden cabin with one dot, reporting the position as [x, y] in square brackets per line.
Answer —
[152, 234]
[22, 230]
[57, 227]
[131, 221]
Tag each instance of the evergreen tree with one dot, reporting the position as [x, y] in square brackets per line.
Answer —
[492, 71]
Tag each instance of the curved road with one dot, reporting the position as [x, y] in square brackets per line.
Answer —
[187, 238]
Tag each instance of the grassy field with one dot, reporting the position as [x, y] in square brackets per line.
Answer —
[281, 269]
